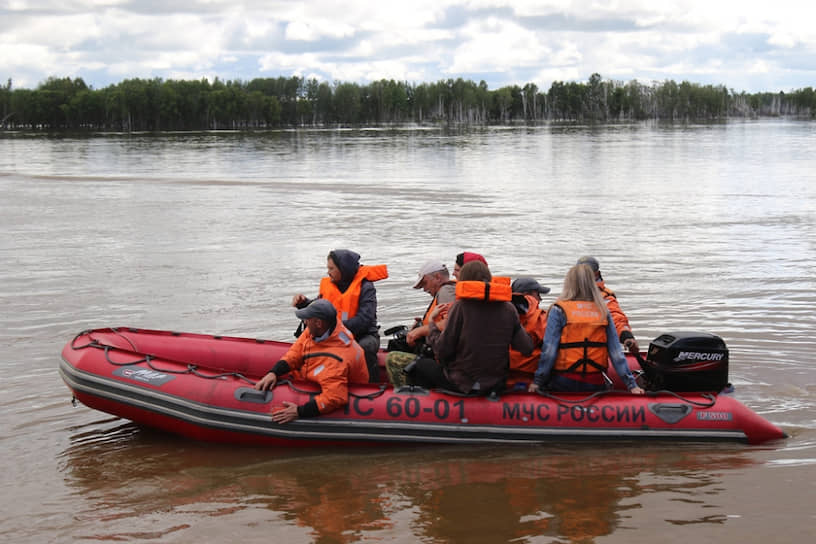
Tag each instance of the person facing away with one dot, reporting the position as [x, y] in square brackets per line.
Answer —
[326, 354]
[579, 340]
[472, 340]
[526, 299]
[625, 335]
[435, 280]
[349, 287]
[464, 258]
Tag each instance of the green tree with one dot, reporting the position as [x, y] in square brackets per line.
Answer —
[347, 101]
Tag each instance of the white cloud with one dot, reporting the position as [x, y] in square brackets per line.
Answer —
[315, 30]
[424, 41]
[495, 45]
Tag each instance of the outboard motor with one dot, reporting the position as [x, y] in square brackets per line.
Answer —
[687, 361]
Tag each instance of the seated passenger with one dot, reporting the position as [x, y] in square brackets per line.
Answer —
[625, 335]
[580, 339]
[472, 341]
[434, 279]
[325, 354]
[349, 288]
[464, 258]
[526, 298]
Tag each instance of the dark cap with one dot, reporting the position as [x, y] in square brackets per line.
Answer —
[320, 308]
[591, 262]
[528, 285]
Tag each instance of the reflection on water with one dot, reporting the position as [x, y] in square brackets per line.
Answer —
[137, 483]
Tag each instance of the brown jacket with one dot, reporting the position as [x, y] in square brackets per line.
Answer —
[474, 347]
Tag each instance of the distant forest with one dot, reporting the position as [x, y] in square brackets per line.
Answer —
[156, 104]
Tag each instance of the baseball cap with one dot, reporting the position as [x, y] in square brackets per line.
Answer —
[428, 268]
[591, 262]
[319, 308]
[528, 285]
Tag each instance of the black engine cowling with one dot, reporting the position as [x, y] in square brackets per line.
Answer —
[686, 361]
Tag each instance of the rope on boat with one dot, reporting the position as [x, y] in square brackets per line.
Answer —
[712, 400]
[92, 343]
[148, 359]
[370, 396]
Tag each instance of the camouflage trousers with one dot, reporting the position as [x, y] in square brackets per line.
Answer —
[395, 361]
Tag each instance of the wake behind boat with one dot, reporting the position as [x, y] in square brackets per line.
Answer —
[201, 387]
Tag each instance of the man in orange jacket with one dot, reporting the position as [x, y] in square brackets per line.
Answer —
[526, 298]
[349, 286]
[625, 335]
[325, 354]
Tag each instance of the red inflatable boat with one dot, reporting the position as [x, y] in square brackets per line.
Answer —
[201, 387]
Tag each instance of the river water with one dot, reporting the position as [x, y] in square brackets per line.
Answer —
[702, 227]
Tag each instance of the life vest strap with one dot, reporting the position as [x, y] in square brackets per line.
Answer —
[568, 345]
[483, 290]
[585, 366]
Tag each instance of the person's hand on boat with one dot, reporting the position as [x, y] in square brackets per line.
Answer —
[286, 414]
[637, 390]
[532, 388]
[631, 346]
[267, 382]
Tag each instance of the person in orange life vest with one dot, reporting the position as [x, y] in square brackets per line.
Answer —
[472, 340]
[580, 339]
[463, 258]
[325, 354]
[526, 298]
[625, 335]
[349, 286]
[435, 280]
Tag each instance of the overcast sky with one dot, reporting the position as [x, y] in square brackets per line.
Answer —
[745, 45]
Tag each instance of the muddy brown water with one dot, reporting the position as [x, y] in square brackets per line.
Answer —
[709, 227]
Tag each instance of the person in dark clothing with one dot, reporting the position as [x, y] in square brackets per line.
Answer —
[349, 287]
[472, 342]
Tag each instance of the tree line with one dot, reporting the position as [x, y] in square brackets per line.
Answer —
[157, 104]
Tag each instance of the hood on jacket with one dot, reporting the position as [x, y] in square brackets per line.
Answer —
[348, 262]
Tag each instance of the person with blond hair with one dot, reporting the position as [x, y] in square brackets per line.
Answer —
[580, 338]
[625, 334]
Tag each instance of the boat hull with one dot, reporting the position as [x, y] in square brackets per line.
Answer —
[200, 387]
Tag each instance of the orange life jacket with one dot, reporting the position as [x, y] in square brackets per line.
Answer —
[332, 363]
[618, 317]
[582, 348]
[348, 301]
[482, 290]
[434, 302]
[534, 322]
